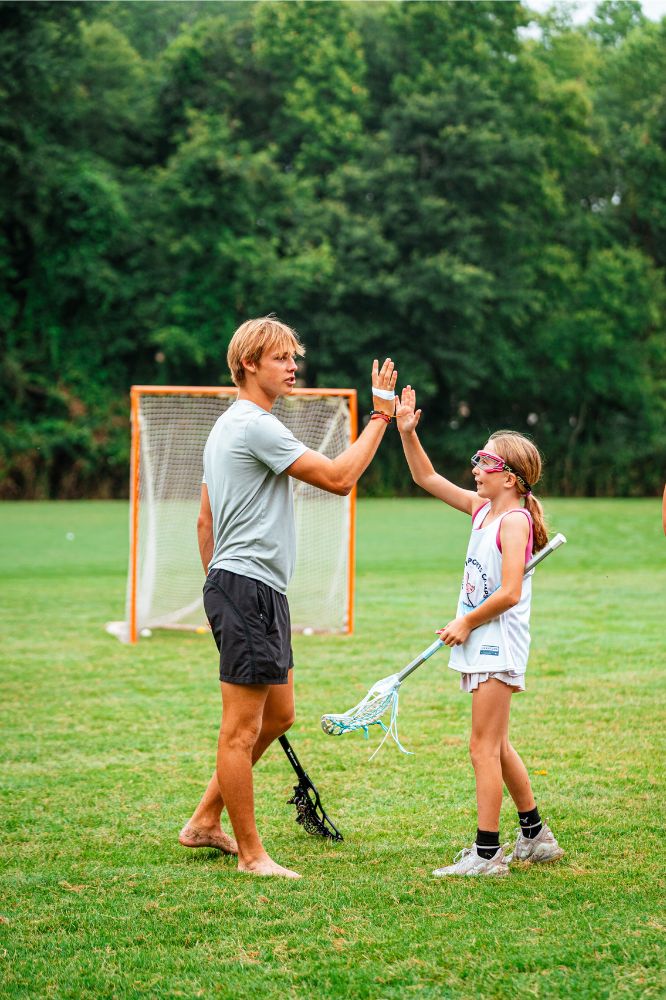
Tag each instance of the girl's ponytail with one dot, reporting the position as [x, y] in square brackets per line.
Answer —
[533, 507]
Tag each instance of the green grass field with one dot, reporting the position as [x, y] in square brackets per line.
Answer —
[106, 749]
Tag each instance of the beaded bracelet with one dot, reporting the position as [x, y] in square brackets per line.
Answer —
[374, 414]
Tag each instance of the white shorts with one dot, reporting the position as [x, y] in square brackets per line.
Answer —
[470, 682]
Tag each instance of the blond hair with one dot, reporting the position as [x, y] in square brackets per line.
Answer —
[523, 456]
[255, 336]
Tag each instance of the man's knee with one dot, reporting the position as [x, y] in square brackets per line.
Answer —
[239, 737]
[287, 722]
[278, 725]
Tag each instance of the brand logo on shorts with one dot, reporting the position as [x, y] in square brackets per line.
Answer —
[489, 651]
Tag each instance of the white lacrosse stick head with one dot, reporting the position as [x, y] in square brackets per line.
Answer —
[367, 712]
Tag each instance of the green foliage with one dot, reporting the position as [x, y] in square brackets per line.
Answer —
[313, 58]
[113, 97]
[613, 19]
[415, 179]
[632, 101]
[604, 351]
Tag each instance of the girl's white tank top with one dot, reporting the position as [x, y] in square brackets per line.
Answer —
[504, 642]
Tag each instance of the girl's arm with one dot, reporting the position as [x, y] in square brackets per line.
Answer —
[514, 533]
[420, 466]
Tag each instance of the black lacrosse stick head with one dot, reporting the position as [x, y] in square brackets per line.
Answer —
[311, 814]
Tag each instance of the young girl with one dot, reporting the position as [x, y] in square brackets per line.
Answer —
[489, 637]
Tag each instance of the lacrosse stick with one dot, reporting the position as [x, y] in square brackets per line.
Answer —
[309, 811]
[385, 692]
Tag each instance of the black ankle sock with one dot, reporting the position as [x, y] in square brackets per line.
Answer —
[530, 823]
[487, 843]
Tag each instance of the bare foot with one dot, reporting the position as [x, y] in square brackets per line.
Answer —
[194, 836]
[266, 867]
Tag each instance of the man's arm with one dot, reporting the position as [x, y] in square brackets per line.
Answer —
[339, 475]
[205, 529]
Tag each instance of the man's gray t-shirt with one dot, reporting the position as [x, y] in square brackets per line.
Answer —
[250, 494]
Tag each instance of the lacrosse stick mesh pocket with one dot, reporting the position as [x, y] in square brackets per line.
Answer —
[311, 816]
[382, 696]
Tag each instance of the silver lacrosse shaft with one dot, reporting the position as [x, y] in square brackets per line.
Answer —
[553, 544]
[421, 658]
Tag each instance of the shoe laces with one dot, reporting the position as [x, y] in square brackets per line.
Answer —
[462, 854]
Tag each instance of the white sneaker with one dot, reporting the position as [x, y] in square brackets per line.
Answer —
[469, 862]
[539, 850]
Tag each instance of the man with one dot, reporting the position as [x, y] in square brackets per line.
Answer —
[247, 542]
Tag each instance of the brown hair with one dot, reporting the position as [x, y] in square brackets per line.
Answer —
[525, 461]
[255, 336]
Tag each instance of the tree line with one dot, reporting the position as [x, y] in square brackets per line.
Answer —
[433, 181]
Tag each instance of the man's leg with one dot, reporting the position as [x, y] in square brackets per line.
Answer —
[242, 715]
[278, 715]
[203, 829]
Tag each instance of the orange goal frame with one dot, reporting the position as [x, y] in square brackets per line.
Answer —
[136, 392]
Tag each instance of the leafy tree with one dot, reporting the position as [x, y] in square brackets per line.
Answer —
[150, 27]
[312, 55]
[226, 248]
[67, 235]
[631, 100]
[614, 19]
[602, 403]
[412, 178]
[113, 98]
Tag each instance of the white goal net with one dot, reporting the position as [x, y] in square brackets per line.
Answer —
[169, 430]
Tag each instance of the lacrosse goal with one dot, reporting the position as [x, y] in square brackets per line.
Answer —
[170, 425]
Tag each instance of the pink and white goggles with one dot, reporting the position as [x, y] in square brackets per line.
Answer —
[488, 461]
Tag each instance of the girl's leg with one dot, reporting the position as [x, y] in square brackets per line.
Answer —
[535, 842]
[491, 702]
[516, 778]
[490, 724]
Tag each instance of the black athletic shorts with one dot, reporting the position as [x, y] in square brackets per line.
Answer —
[251, 626]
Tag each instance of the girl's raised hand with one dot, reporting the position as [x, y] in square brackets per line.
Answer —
[407, 417]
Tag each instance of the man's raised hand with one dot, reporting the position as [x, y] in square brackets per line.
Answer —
[406, 414]
[384, 378]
